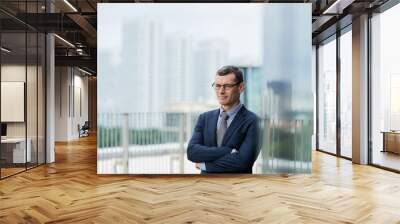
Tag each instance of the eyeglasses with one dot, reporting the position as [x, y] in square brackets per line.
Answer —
[225, 86]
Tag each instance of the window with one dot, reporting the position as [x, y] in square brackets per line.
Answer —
[22, 65]
[346, 94]
[385, 89]
[327, 96]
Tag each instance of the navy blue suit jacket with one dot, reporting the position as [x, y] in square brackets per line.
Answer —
[242, 135]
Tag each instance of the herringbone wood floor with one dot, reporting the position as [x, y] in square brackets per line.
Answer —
[69, 191]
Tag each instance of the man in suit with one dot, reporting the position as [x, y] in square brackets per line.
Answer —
[225, 140]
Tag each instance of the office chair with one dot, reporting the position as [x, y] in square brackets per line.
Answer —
[84, 130]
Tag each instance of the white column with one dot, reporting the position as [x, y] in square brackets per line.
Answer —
[50, 92]
[360, 90]
[50, 100]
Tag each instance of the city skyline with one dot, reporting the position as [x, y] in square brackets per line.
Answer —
[240, 24]
[162, 68]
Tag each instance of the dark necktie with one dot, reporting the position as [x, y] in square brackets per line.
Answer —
[222, 127]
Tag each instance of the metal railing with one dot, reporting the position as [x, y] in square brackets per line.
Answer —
[124, 139]
[286, 146]
[155, 143]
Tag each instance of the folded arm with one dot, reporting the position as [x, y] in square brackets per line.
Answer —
[242, 160]
[197, 152]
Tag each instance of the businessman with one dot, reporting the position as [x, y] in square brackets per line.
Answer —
[225, 140]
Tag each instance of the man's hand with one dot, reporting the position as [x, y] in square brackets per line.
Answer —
[198, 166]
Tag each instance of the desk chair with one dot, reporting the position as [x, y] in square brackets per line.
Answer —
[84, 130]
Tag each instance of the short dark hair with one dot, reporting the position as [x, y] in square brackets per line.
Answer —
[228, 69]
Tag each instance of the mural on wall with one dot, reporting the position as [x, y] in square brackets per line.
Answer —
[155, 79]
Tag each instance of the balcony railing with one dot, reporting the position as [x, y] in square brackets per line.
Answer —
[155, 143]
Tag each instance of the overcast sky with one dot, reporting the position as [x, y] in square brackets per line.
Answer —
[239, 24]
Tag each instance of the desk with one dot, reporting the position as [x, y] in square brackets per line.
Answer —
[391, 141]
[16, 147]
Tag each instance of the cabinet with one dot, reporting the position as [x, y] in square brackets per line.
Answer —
[391, 141]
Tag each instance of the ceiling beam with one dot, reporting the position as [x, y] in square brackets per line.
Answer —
[82, 61]
[86, 26]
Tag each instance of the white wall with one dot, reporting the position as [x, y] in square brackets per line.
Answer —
[12, 73]
[61, 103]
[33, 126]
[71, 103]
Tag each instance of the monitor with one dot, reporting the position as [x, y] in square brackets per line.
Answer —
[3, 129]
